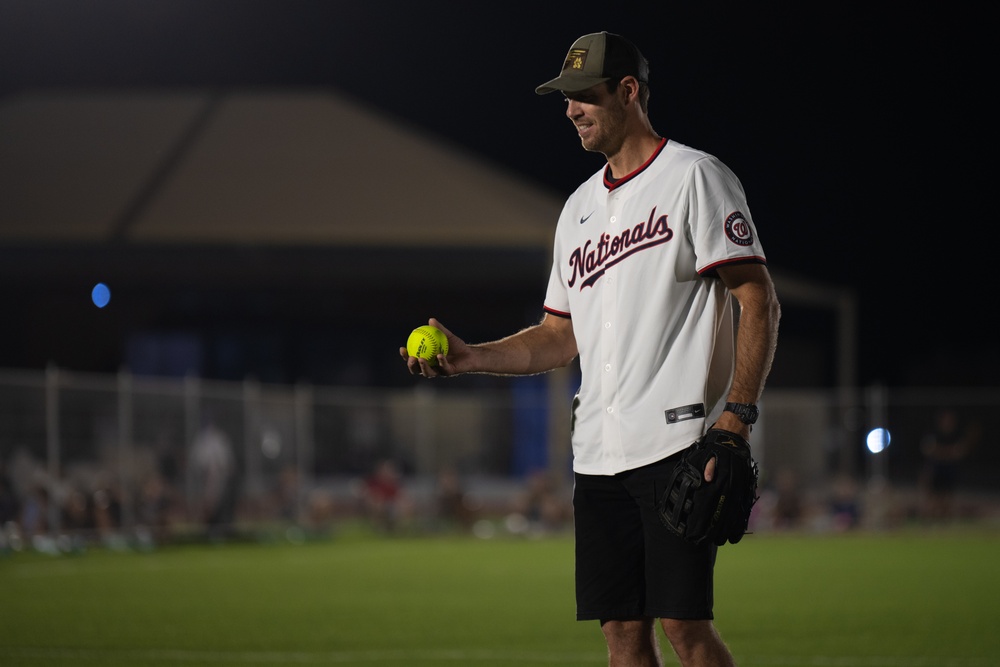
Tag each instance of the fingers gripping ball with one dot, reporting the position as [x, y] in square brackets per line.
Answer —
[427, 342]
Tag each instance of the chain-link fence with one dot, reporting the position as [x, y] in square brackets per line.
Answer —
[124, 458]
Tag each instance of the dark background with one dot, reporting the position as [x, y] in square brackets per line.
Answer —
[859, 133]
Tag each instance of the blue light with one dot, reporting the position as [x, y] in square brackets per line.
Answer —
[100, 295]
[878, 439]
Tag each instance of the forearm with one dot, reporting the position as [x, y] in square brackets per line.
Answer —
[536, 349]
[756, 341]
[757, 333]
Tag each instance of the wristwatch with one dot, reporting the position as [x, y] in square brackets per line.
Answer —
[747, 412]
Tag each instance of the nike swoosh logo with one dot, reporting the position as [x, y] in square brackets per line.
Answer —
[583, 220]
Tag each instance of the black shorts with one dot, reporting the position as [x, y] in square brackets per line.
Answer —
[628, 565]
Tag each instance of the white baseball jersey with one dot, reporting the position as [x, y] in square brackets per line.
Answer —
[633, 267]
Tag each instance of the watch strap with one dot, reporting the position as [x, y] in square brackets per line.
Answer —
[747, 412]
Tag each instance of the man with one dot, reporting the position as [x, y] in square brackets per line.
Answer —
[647, 254]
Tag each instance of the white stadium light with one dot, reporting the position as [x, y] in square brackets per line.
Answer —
[878, 439]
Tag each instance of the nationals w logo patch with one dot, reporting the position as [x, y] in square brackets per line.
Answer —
[738, 230]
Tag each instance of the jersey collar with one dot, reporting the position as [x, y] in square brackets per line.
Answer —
[611, 183]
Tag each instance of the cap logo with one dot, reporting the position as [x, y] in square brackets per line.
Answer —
[576, 59]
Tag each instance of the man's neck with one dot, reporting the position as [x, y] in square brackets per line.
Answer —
[634, 153]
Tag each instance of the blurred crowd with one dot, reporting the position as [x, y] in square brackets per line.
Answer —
[203, 497]
[201, 494]
[846, 503]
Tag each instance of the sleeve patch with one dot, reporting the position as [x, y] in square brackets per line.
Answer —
[738, 230]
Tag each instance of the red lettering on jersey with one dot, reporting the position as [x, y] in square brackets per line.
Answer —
[589, 263]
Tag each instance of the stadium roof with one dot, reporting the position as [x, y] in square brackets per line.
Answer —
[252, 189]
[286, 167]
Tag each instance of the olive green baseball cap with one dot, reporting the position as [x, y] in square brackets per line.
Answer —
[596, 58]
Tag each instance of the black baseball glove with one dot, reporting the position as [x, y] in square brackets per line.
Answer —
[719, 510]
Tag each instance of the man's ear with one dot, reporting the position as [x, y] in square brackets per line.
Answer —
[629, 87]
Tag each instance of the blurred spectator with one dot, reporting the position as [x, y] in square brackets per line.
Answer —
[845, 505]
[154, 507]
[541, 504]
[213, 465]
[943, 449]
[26, 475]
[286, 494]
[77, 513]
[8, 499]
[320, 511]
[10, 527]
[383, 495]
[453, 509]
[35, 511]
[107, 509]
[788, 505]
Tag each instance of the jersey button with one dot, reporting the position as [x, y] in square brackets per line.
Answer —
[614, 219]
[607, 325]
[611, 409]
[607, 367]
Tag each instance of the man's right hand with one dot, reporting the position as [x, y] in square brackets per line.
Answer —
[457, 350]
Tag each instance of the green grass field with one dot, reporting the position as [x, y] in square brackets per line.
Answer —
[905, 599]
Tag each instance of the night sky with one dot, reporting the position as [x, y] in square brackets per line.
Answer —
[859, 135]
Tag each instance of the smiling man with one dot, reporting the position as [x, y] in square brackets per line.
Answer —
[649, 253]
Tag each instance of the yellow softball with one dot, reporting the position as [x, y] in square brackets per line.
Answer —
[427, 342]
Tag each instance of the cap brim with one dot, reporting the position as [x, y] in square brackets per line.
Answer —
[569, 84]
